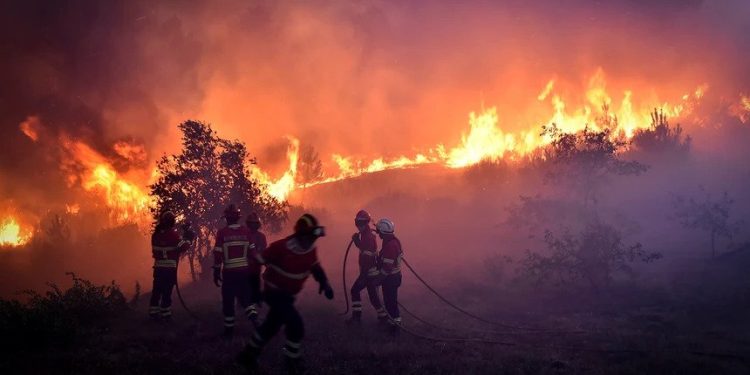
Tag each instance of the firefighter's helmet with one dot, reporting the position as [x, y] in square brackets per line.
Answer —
[385, 226]
[232, 212]
[308, 224]
[167, 219]
[362, 215]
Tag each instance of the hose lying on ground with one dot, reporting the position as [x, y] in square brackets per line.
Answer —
[467, 313]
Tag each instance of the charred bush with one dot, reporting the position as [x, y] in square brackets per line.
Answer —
[592, 257]
[59, 317]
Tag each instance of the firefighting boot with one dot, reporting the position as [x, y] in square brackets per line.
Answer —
[395, 327]
[356, 317]
[382, 316]
[154, 312]
[248, 358]
[228, 327]
[166, 314]
[252, 314]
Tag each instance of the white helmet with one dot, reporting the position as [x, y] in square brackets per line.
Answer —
[385, 226]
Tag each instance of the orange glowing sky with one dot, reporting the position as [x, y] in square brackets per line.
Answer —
[369, 84]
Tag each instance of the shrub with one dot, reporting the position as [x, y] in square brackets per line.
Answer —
[59, 316]
[594, 256]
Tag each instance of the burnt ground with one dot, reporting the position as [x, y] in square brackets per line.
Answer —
[694, 324]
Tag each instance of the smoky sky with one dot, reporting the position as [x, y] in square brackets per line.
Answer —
[365, 78]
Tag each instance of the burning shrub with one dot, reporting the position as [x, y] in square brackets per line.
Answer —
[708, 215]
[59, 316]
[594, 256]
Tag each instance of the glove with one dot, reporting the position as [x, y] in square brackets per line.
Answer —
[217, 277]
[326, 288]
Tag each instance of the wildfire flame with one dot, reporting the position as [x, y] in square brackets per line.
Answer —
[281, 188]
[11, 233]
[485, 140]
[127, 201]
[125, 194]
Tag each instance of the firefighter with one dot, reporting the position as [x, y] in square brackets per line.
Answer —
[288, 262]
[258, 244]
[166, 246]
[364, 239]
[233, 252]
[390, 269]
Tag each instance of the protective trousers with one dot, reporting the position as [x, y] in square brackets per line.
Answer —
[281, 312]
[161, 293]
[237, 285]
[391, 283]
[362, 282]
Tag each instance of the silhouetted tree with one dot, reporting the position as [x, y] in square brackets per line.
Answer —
[55, 229]
[594, 256]
[586, 160]
[661, 137]
[707, 214]
[207, 175]
[309, 166]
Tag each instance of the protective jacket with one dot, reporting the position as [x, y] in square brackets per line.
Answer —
[236, 249]
[166, 247]
[368, 257]
[390, 257]
[288, 265]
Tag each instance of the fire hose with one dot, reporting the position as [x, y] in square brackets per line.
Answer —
[185, 227]
[447, 302]
[343, 276]
[529, 331]
[184, 306]
[469, 314]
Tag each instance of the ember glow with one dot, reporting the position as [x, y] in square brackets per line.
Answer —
[741, 109]
[30, 127]
[11, 233]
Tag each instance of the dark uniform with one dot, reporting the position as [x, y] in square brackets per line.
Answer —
[166, 246]
[289, 262]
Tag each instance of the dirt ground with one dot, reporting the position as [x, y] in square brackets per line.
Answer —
[695, 325]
